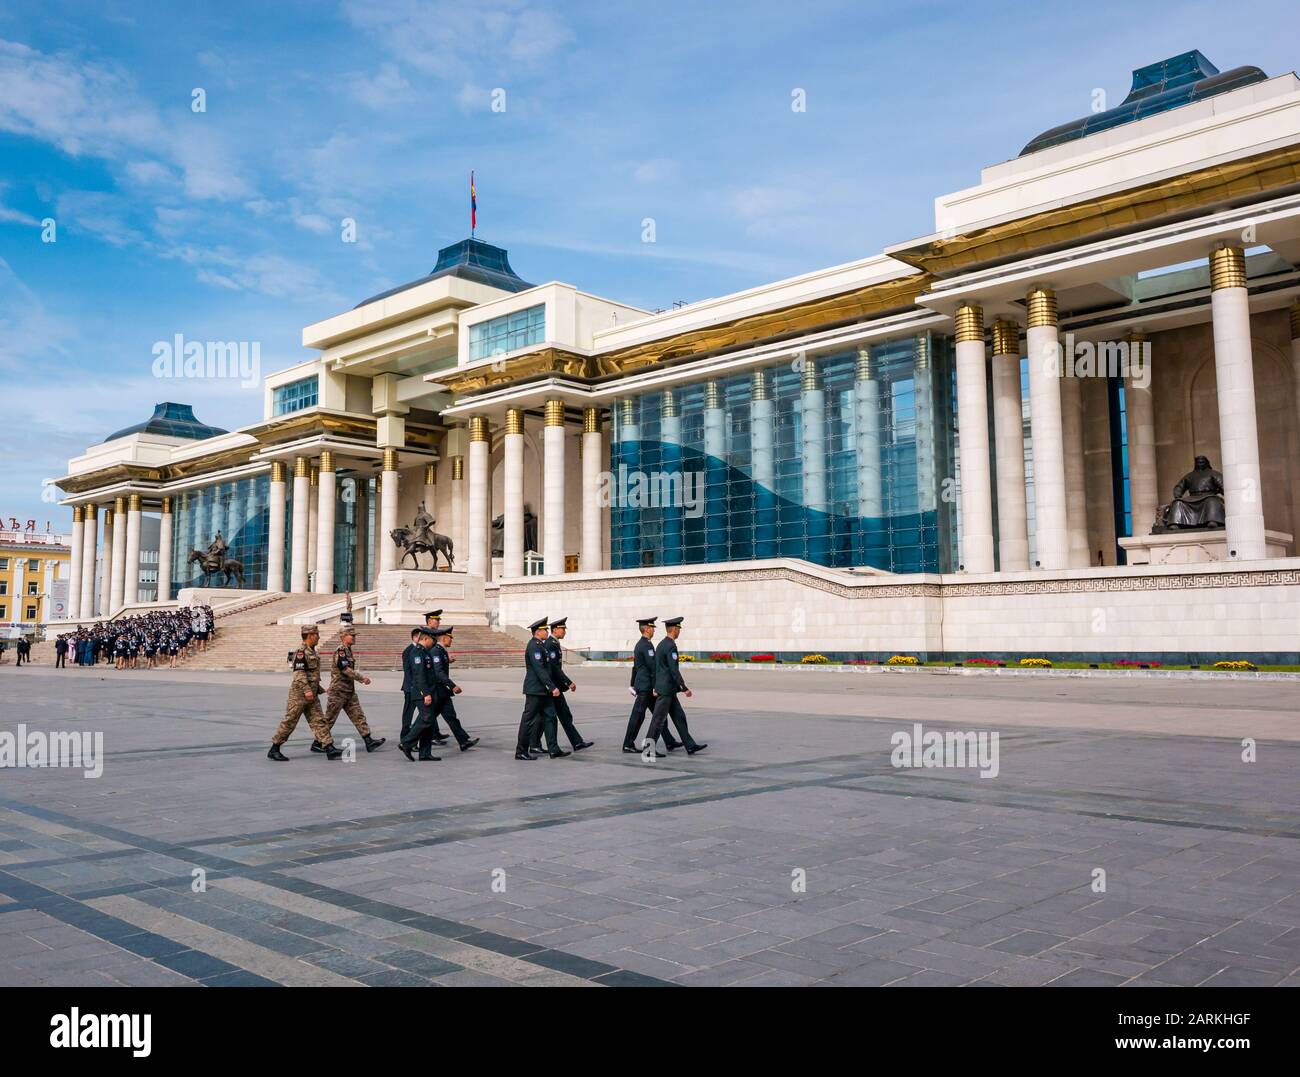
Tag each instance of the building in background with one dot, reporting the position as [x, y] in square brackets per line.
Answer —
[34, 576]
[957, 446]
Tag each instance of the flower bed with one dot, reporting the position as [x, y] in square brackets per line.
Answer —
[722, 656]
[901, 660]
[762, 658]
[1239, 665]
[815, 660]
[1036, 663]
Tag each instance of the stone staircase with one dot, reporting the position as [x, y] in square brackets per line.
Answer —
[379, 647]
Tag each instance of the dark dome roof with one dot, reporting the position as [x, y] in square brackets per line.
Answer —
[1159, 87]
[470, 259]
[170, 420]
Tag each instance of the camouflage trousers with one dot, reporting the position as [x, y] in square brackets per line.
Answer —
[296, 706]
[345, 700]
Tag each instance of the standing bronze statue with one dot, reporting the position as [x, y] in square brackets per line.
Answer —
[1197, 504]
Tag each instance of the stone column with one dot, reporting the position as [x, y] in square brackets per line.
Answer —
[131, 574]
[1009, 449]
[459, 538]
[762, 454]
[301, 518]
[629, 456]
[553, 487]
[512, 554]
[1140, 424]
[926, 458]
[89, 539]
[715, 473]
[1051, 531]
[325, 496]
[1238, 435]
[165, 550]
[590, 556]
[275, 529]
[670, 441]
[120, 527]
[106, 562]
[480, 496]
[866, 444]
[313, 520]
[973, 431]
[363, 545]
[388, 512]
[812, 454]
[74, 565]
[431, 492]
[1076, 487]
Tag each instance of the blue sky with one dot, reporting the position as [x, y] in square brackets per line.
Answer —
[226, 224]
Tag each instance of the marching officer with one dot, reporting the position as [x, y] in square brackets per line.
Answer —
[555, 661]
[668, 684]
[540, 690]
[442, 702]
[408, 691]
[342, 692]
[424, 687]
[304, 698]
[642, 687]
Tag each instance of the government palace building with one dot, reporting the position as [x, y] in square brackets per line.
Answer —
[981, 442]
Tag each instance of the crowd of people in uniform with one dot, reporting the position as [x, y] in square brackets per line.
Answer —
[141, 641]
[429, 691]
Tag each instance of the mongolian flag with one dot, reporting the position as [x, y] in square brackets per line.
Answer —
[473, 205]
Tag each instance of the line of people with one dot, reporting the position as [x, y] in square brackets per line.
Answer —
[429, 691]
[141, 641]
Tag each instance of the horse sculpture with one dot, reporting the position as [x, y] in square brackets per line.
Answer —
[411, 546]
[211, 566]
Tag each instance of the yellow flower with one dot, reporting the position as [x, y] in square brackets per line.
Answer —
[815, 659]
[901, 660]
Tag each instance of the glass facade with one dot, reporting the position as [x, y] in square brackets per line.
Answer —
[295, 396]
[239, 509]
[839, 460]
[499, 335]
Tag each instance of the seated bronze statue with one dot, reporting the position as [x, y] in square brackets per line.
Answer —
[1197, 503]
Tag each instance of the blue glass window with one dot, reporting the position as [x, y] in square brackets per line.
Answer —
[508, 333]
[295, 396]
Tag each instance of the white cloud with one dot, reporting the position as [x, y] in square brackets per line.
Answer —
[385, 88]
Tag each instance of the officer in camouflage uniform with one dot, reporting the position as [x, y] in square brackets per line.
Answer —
[342, 694]
[304, 698]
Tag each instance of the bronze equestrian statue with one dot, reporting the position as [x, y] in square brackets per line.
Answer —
[212, 563]
[411, 545]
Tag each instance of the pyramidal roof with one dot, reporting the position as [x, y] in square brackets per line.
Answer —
[470, 259]
[1159, 87]
[171, 420]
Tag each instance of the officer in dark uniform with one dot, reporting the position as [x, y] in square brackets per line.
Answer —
[432, 620]
[408, 689]
[668, 685]
[424, 688]
[642, 687]
[555, 658]
[442, 702]
[540, 690]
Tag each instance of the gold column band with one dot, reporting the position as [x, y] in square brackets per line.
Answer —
[553, 414]
[108, 515]
[1295, 320]
[1006, 338]
[390, 459]
[712, 395]
[457, 468]
[76, 514]
[1042, 308]
[133, 503]
[89, 513]
[313, 476]
[865, 368]
[1136, 336]
[629, 410]
[591, 420]
[970, 323]
[430, 474]
[668, 405]
[478, 428]
[1227, 268]
[277, 471]
[119, 505]
[514, 420]
[923, 353]
[327, 460]
[808, 375]
[166, 506]
[759, 390]
[300, 467]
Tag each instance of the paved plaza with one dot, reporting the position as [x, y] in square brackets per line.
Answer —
[791, 852]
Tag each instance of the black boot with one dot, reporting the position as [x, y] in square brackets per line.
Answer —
[276, 754]
[527, 757]
[559, 753]
[317, 746]
[333, 752]
[406, 751]
[692, 749]
[372, 743]
[469, 744]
